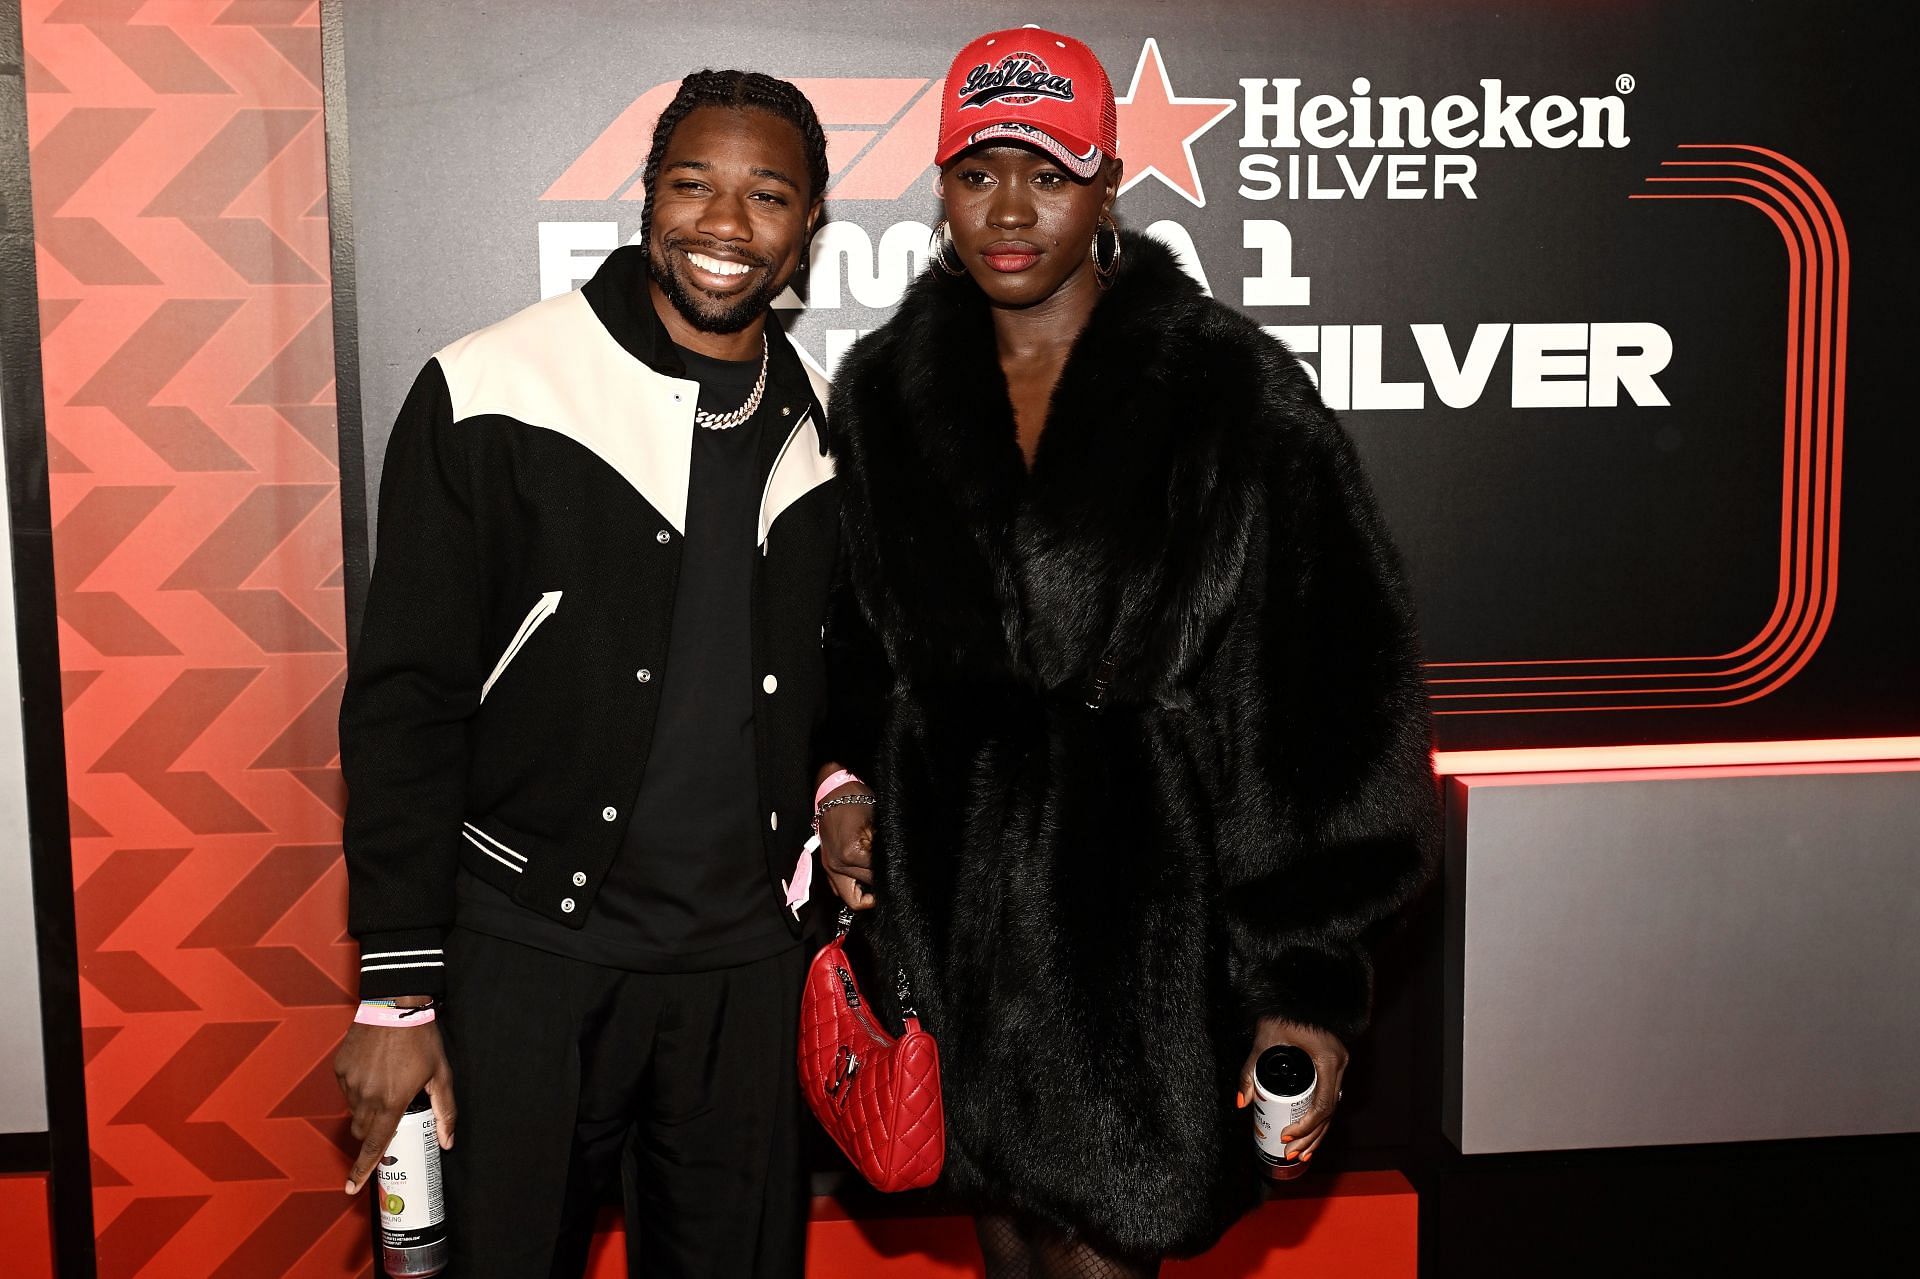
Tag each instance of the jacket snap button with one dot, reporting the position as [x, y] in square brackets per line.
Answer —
[663, 537]
[644, 676]
[773, 820]
[579, 879]
[769, 683]
[607, 814]
[786, 410]
[566, 905]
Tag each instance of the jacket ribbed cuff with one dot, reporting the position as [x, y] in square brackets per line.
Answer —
[413, 962]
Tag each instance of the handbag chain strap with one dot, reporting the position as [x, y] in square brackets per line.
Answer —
[843, 925]
[1100, 679]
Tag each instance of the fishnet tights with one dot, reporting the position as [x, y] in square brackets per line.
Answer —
[1018, 1248]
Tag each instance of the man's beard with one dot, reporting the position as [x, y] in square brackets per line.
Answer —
[698, 307]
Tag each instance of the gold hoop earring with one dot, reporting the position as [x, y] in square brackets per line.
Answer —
[1104, 272]
[940, 249]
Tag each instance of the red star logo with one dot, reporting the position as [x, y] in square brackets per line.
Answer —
[1156, 129]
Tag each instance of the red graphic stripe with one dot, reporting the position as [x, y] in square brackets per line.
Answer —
[1834, 410]
[1795, 531]
[1818, 294]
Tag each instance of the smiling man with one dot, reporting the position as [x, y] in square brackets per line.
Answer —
[577, 732]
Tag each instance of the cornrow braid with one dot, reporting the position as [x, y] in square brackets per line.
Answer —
[740, 90]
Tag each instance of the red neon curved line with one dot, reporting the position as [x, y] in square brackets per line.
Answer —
[1836, 432]
[1781, 651]
[1794, 309]
[1795, 537]
[1790, 506]
[1638, 705]
[1820, 528]
[1823, 528]
[1789, 513]
[1832, 330]
[1595, 709]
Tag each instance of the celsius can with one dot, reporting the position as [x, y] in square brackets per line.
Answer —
[1283, 1082]
[413, 1215]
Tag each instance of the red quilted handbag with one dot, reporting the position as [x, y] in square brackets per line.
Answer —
[878, 1097]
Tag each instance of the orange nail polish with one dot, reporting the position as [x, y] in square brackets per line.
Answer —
[1239, 1101]
[1304, 1158]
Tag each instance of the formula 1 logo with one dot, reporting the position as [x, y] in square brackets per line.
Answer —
[882, 131]
[880, 139]
[881, 134]
[1021, 78]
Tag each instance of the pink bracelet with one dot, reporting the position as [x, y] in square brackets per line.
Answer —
[383, 1015]
[833, 783]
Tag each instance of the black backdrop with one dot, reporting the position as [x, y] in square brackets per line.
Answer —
[1637, 548]
[490, 144]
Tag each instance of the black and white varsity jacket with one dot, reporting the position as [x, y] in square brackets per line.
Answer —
[500, 699]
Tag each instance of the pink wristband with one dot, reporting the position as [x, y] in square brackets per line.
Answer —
[382, 1015]
[833, 783]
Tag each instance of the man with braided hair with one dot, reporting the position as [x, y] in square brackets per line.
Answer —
[578, 725]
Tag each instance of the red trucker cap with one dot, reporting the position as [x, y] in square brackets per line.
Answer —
[1029, 85]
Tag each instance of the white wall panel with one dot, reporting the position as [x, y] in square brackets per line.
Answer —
[1699, 957]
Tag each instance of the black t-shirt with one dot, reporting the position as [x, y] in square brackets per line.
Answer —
[689, 890]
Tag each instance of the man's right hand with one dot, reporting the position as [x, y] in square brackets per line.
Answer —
[381, 1069]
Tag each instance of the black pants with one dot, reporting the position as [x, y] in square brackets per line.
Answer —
[567, 1074]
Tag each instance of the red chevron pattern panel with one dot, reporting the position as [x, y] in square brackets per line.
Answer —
[179, 204]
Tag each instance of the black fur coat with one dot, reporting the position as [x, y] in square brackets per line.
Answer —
[1094, 907]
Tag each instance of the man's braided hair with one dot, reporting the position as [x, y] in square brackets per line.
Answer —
[740, 90]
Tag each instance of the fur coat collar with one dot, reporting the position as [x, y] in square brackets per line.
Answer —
[1130, 533]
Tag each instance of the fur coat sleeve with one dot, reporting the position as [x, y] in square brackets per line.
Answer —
[1346, 823]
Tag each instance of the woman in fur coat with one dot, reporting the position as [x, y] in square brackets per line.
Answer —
[1072, 480]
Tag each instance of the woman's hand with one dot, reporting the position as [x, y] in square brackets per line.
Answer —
[846, 847]
[1329, 1065]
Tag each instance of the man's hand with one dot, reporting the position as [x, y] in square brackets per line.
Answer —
[1329, 1065]
[846, 845]
[381, 1069]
